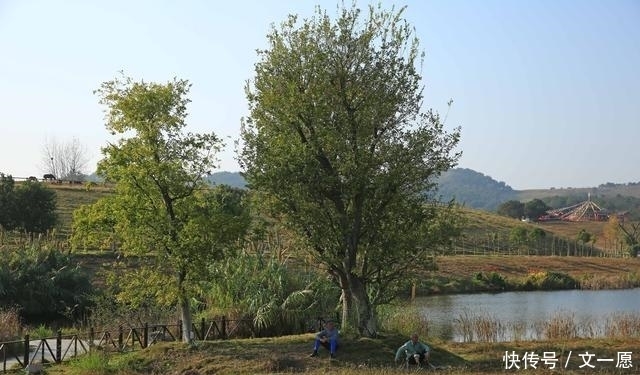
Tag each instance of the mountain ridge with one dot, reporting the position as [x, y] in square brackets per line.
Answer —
[477, 190]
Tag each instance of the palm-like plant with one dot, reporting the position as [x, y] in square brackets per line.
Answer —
[258, 287]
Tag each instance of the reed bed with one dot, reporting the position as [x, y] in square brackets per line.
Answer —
[562, 325]
[10, 326]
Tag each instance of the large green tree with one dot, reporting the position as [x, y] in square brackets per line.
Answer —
[337, 137]
[161, 207]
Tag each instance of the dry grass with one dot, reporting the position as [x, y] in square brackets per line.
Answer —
[356, 356]
[517, 266]
[9, 324]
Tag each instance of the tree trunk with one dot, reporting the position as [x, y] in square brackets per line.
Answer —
[357, 311]
[185, 309]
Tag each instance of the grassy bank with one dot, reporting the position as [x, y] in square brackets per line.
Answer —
[356, 356]
[466, 274]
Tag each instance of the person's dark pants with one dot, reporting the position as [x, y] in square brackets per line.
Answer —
[412, 361]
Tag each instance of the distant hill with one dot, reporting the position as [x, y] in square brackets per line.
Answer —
[233, 179]
[474, 189]
[468, 187]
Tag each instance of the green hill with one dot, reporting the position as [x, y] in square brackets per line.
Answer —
[473, 189]
[484, 231]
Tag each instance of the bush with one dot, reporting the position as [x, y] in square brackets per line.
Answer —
[41, 332]
[546, 280]
[30, 206]
[278, 299]
[47, 284]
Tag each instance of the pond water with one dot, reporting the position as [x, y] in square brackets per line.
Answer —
[527, 315]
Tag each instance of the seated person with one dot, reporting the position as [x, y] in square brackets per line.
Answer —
[414, 351]
[328, 338]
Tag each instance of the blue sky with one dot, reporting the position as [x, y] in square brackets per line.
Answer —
[546, 92]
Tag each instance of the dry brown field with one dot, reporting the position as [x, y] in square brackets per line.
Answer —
[514, 266]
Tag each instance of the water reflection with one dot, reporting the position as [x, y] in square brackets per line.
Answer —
[528, 315]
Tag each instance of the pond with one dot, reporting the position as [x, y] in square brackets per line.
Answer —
[531, 315]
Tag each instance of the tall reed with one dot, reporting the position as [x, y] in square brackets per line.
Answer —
[404, 319]
[561, 325]
[622, 325]
[10, 327]
[479, 327]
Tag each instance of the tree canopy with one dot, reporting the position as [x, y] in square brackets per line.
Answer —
[336, 136]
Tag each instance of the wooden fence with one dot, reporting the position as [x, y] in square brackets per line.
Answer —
[20, 354]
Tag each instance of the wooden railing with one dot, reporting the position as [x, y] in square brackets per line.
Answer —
[20, 354]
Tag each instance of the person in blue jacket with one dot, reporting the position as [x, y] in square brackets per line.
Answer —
[328, 338]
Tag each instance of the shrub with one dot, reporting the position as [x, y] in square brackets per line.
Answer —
[45, 283]
[277, 299]
[546, 280]
[41, 332]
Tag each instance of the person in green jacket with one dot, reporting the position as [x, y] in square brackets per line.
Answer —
[414, 351]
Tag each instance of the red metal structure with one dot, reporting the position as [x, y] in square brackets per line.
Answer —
[584, 211]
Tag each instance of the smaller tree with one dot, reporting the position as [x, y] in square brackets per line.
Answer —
[162, 210]
[66, 161]
[535, 208]
[7, 202]
[29, 206]
[519, 235]
[536, 236]
[37, 207]
[631, 235]
[584, 236]
[512, 208]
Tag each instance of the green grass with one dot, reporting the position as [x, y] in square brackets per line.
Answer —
[70, 197]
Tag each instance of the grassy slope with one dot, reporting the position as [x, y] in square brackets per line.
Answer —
[479, 224]
[70, 197]
[356, 356]
[608, 191]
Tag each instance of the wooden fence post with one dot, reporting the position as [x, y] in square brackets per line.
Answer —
[180, 330]
[202, 330]
[120, 338]
[145, 338]
[224, 327]
[26, 350]
[59, 347]
[92, 335]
